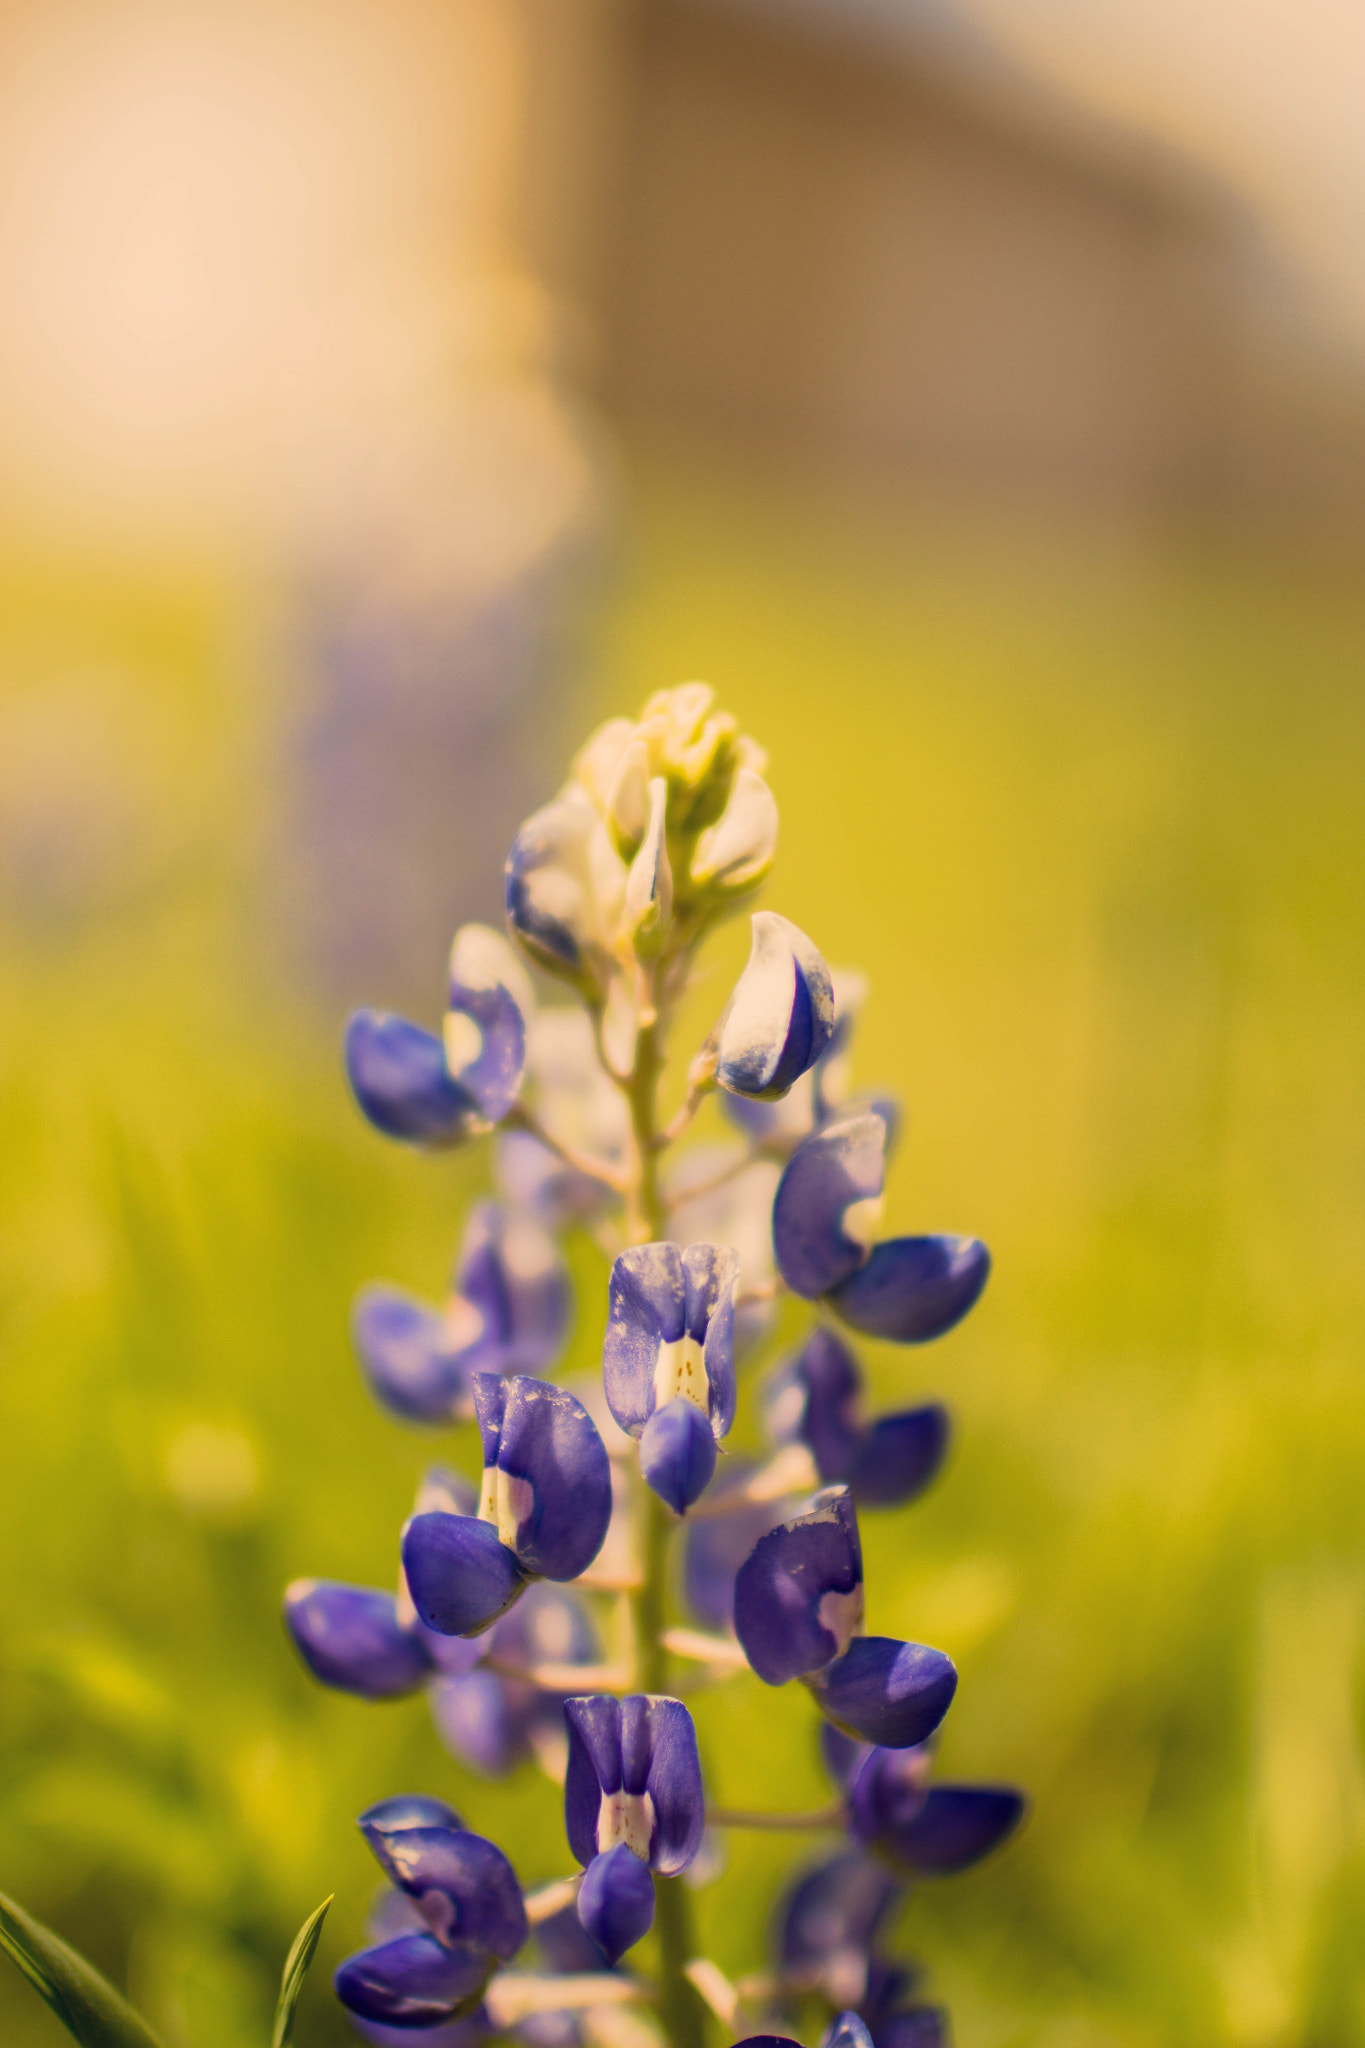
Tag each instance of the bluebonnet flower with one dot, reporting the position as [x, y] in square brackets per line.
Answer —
[493, 1721]
[718, 1544]
[915, 1828]
[507, 1312]
[363, 1640]
[632, 1803]
[780, 1017]
[468, 1896]
[668, 1360]
[440, 1091]
[826, 1925]
[777, 1128]
[799, 1614]
[825, 1217]
[815, 1399]
[543, 1511]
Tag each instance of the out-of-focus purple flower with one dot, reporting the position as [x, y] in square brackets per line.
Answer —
[484, 1034]
[717, 1545]
[508, 1312]
[472, 1915]
[579, 1105]
[893, 2016]
[780, 1017]
[350, 1637]
[634, 1786]
[492, 1721]
[825, 1218]
[400, 1079]
[543, 1511]
[927, 1830]
[670, 1341]
[799, 1614]
[815, 1399]
[827, 1922]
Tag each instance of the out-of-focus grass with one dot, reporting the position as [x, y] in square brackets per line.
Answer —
[1091, 819]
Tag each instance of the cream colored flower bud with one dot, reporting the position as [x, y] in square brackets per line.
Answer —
[737, 851]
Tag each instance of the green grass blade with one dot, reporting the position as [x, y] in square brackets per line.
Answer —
[85, 2002]
[295, 1970]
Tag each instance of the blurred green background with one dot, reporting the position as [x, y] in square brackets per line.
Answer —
[1088, 810]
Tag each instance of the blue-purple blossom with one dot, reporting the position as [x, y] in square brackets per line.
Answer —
[351, 1637]
[670, 1333]
[815, 1399]
[716, 1545]
[400, 1079]
[471, 1908]
[507, 1312]
[493, 1721]
[827, 1922]
[634, 1784]
[781, 1016]
[544, 1509]
[846, 2030]
[799, 1614]
[926, 1830]
[485, 1025]
[825, 1218]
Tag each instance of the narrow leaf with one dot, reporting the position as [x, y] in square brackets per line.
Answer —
[295, 1970]
[85, 2002]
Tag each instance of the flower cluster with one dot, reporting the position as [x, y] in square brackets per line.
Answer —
[533, 1604]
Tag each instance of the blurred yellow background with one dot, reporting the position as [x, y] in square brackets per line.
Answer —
[976, 400]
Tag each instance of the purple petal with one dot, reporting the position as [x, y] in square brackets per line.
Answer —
[476, 1721]
[408, 1359]
[767, 2041]
[815, 1399]
[717, 1545]
[545, 1442]
[616, 1901]
[466, 1887]
[641, 1744]
[914, 1288]
[710, 1281]
[847, 2031]
[918, 2026]
[886, 1787]
[350, 1637]
[406, 1810]
[798, 1595]
[839, 1167]
[460, 1575]
[645, 1309]
[399, 1077]
[470, 2032]
[511, 1271]
[547, 1626]
[485, 1034]
[899, 1456]
[781, 1014]
[894, 1694]
[828, 1923]
[844, 1758]
[954, 1827]
[678, 1454]
[415, 1981]
[549, 889]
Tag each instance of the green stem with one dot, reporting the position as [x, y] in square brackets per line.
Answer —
[680, 2008]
